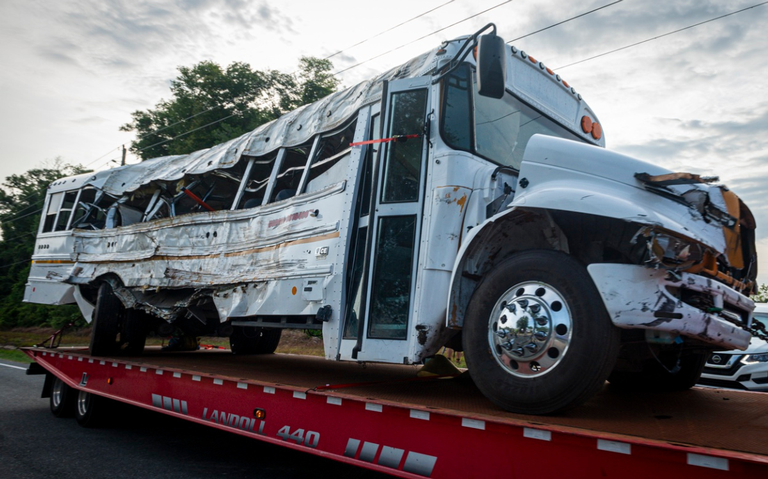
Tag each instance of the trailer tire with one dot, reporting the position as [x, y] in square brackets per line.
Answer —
[537, 339]
[62, 399]
[91, 410]
[107, 319]
[657, 378]
[254, 340]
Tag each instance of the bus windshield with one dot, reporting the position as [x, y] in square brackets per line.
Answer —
[497, 130]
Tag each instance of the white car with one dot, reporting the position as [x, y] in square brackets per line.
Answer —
[741, 369]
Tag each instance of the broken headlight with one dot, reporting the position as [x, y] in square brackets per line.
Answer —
[672, 252]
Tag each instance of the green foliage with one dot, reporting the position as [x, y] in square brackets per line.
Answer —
[762, 294]
[21, 201]
[204, 94]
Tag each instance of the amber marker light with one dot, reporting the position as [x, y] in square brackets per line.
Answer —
[586, 124]
[109, 381]
[597, 131]
[533, 60]
[259, 413]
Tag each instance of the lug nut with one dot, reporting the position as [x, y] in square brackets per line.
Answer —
[535, 308]
[540, 335]
[523, 303]
[511, 307]
[531, 347]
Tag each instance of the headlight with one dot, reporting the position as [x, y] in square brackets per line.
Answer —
[755, 358]
[673, 252]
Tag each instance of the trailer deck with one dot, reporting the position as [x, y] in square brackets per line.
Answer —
[383, 417]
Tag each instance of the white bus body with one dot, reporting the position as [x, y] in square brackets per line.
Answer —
[500, 220]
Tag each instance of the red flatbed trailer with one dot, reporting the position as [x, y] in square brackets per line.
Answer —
[383, 417]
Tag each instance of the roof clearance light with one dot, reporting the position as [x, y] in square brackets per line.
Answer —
[597, 131]
[586, 124]
[533, 60]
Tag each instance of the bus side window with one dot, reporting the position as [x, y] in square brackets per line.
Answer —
[66, 210]
[257, 181]
[87, 213]
[53, 207]
[291, 170]
[331, 162]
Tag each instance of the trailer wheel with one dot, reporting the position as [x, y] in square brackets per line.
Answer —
[254, 340]
[671, 376]
[537, 338]
[91, 410]
[107, 319]
[63, 399]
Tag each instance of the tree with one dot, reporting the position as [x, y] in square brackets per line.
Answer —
[21, 202]
[211, 105]
[762, 294]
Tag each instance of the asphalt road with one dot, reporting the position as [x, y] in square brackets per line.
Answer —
[35, 445]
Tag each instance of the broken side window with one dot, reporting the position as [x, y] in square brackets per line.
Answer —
[291, 170]
[90, 212]
[257, 181]
[331, 162]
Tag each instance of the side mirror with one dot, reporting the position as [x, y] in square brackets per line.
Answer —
[491, 66]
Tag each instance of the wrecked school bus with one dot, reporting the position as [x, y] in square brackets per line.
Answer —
[462, 199]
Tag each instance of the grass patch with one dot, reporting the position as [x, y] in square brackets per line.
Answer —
[14, 355]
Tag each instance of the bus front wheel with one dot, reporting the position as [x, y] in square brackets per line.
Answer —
[254, 340]
[537, 338]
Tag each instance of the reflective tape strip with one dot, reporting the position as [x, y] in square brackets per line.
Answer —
[242, 386]
[159, 372]
[711, 462]
[114, 365]
[417, 414]
[537, 434]
[218, 382]
[299, 395]
[369, 406]
[614, 446]
[269, 390]
[157, 400]
[473, 423]
[128, 366]
[334, 400]
[177, 375]
[196, 378]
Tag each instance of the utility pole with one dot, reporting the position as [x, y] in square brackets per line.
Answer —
[122, 163]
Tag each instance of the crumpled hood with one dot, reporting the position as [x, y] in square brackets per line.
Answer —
[597, 181]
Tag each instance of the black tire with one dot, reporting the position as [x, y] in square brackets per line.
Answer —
[116, 330]
[254, 340]
[133, 331]
[91, 410]
[107, 319]
[655, 377]
[62, 399]
[537, 338]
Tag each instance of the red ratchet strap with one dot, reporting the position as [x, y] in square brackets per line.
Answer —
[197, 199]
[386, 140]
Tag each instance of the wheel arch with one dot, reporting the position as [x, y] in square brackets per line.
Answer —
[587, 237]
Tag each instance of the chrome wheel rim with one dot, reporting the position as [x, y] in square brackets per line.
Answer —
[530, 329]
[83, 401]
[57, 392]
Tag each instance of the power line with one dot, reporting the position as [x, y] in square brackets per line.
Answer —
[188, 132]
[661, 36]
[389, 29]
[422, 37]
[14, 264]
[564, 21]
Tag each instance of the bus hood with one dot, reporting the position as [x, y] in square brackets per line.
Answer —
[571, 176]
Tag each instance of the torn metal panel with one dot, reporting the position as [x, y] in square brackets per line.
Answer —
[643, 298]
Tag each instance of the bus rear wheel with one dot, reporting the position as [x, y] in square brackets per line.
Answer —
[114, 329]
[254, 340]
[537, 338]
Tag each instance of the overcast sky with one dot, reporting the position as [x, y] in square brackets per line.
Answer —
[74, 70]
